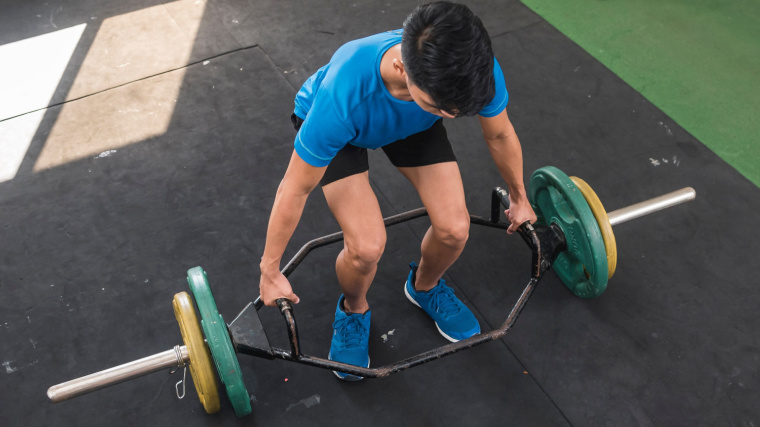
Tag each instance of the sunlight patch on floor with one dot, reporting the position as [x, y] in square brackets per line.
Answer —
[138, 111]
[31, 71]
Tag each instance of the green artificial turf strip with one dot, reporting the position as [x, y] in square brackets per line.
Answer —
[696, 60]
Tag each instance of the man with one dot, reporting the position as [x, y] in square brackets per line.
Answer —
[390, 90]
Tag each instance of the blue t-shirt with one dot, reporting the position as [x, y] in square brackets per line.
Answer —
[346, 102]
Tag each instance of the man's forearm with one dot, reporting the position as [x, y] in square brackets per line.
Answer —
[286, 213]
[299, 180]
[507, 154]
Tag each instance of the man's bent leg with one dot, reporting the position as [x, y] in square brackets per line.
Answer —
[440, 188]
[354, 205]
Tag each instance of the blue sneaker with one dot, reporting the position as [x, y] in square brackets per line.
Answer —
[350, 341]
[452, 318]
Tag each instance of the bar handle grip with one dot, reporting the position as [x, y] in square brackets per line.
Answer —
[499, 198]
[286, 308]
[284, 304]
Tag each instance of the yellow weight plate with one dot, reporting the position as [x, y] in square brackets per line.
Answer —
[603, 220]
[201, 367]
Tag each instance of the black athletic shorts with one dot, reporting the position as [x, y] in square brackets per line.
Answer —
[428, 147]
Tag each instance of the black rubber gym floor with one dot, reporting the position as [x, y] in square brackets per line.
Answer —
[94, 244]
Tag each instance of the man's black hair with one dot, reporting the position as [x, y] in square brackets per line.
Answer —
[447, 53]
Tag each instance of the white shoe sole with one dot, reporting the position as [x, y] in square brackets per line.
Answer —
[409, 297]
[349, 377]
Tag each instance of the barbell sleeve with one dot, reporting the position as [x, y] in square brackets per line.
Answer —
[652, 205]
[118, 374]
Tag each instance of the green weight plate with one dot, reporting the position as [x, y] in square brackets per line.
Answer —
[218, 340]
[602, 220]
[582, 267]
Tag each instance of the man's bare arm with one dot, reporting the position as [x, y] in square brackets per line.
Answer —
[506, 151]
[299, 180]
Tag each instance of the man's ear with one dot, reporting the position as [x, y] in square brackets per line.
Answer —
[447, 115]
[398, 67]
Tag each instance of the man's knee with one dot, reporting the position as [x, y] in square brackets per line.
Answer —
[365, 252]
[454, 233]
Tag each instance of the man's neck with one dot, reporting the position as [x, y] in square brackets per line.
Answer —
[394, 81]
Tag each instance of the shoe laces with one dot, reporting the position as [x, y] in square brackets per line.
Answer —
[351, 331]
[444, 301]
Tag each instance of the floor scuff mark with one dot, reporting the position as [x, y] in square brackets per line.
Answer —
[308, 402]
[8, 369]
[385, 336]
[257, 401]
[104, 154]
